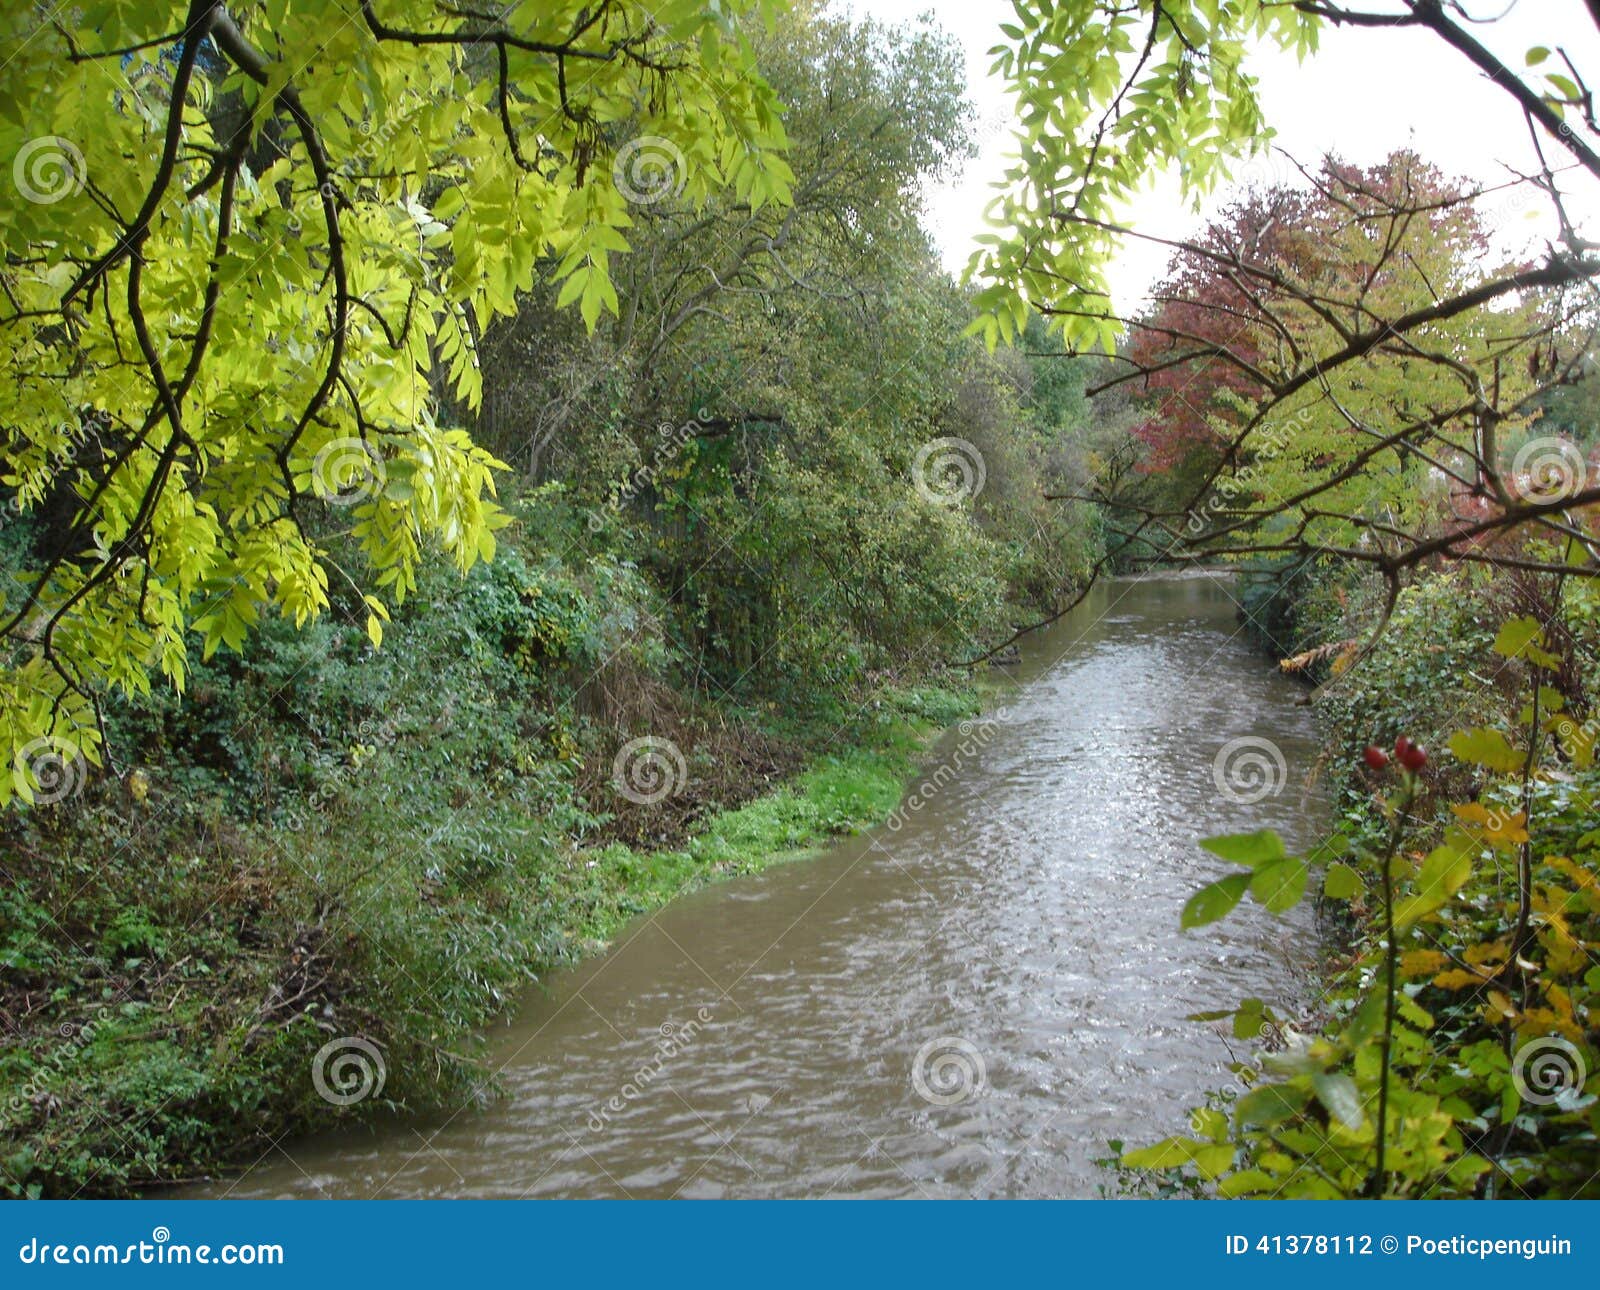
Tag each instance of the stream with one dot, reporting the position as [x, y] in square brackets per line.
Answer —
[970, 1000]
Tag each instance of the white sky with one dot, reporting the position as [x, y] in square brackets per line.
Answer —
[1363, 94]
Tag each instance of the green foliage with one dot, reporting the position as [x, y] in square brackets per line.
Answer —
[380, 794]
[238, 276]
[1087, 142]
[1458, 1058]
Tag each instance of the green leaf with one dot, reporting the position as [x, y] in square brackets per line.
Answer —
[1444, 872]
[1366, 1023]
[1339, 1094]
[1523, 638]
[1213, 1159]
[1516, 635]
[1252, 1019]
[1486, 747]
[1209, 1158]
[1341, 882]
[1247, 1182]
[1246, 848]
[1271, 1104]
[1279, 884]
[1332, 846]
[1210, 1122]
[1215, 901]
[1169, 1153]
[1567, 86]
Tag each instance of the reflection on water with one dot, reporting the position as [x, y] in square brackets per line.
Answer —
[969, 1004]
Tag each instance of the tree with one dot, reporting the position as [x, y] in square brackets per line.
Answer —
[1390, 239]
[249, 238]
[1361, 379]
[1167, 86]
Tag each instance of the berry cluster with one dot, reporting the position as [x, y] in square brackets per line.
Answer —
[1407, 752]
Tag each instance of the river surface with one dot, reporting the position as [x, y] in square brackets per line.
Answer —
[969, 1001]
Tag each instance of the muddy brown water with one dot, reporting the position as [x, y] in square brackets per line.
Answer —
[969, 1001]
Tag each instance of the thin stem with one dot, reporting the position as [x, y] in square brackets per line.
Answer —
[1378, 1184]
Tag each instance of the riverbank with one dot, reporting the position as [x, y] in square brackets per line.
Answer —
[856, 784]
[378, 919]
[987, 987]
[1491, 1028]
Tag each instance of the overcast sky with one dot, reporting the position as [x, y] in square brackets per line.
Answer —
[1363, 94]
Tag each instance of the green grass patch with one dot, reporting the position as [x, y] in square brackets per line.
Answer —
[840, 793]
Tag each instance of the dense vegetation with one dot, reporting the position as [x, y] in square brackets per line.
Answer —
[471, 483]
[1451, 1052]
[736, 554]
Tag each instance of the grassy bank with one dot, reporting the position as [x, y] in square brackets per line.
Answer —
[326, 843]
[856, 784]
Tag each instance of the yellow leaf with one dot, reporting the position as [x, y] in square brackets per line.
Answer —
[1497, 828]
[1421, 962]
[1498, 1006]
[1459, 979]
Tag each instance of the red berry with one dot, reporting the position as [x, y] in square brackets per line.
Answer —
[1375, 757]
[1412, 756]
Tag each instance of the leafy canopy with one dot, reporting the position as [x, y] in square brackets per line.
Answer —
[1092, 132]
[250, 245]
